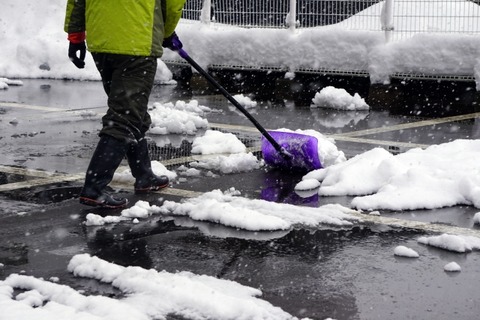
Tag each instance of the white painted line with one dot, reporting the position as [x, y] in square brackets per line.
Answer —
[27, 106]
[407, 145]
[234, 127]
[40, 182]
[412, 125]
[27, 172]
[180, 192]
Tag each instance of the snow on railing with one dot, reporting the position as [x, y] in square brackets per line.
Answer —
[397, 18]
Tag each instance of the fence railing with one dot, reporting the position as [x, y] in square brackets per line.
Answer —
[397, 18]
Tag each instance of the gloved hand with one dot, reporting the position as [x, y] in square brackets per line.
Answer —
[78, 61]
[172, 42]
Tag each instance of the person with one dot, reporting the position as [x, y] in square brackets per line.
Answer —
[125, 39]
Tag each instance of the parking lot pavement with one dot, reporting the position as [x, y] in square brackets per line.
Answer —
[336, 272]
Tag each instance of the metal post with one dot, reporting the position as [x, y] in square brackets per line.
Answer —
[205, 15]
[387, 19]
[292, 15]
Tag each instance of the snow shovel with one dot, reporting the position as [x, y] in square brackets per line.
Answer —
[283, 150]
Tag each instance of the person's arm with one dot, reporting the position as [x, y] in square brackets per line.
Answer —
[173, 14]
[75, 16]
[75, 27]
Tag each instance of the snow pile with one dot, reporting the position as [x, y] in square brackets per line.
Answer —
[334, 98]
[452, 267]
[403, 251]
[476, 218]
[307, 184]
[234, 163]
[438, 176]
[93, 219]
[217, 143]
[231, 210]
[452, 242]
[245, 101]
[141, 210]
[4, 83]
[145, 291]
[179, 118]
[158, 169]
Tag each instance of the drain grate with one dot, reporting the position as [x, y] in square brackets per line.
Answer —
[171, 155]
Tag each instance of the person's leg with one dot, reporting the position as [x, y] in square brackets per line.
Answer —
[140, 165]
[108, 154]
[105, 160]
[128, 118]
[128, 92]
[128, 82]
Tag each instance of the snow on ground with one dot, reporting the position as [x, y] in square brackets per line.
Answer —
[452, 242]
[403, 251]
[178, 118]
[4, 83]
[476, 218]
[452, 267]
[245, 101]
[439, 176]
[334, 98]
[217, 142]
[307, 184]
[189, 295]
[230, 209]
[227, 153]
[125, 176]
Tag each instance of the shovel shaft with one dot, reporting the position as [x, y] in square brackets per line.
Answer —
[227, 95]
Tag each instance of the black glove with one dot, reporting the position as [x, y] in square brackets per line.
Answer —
[73, 48]
[173, 42]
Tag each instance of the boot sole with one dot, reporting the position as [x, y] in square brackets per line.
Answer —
[150, 189]
[99, 204]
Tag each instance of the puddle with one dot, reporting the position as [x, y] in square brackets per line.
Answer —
[6, 178]
[24, 198]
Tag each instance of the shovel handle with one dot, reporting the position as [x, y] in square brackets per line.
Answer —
[227, 95]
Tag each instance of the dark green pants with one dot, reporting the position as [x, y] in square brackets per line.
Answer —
[128, 81]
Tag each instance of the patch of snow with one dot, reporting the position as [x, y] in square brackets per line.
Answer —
[452, 267]
[452, 242]
[476, 218]
[179, 118]
[229, 209]
[307, 184]
[216, 142]
[338, 98]
[403, 251]
[245, 101]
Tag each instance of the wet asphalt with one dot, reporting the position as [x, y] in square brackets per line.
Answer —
[49, 130]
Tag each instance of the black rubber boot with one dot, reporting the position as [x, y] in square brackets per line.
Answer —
[141, 167]
[105, 160]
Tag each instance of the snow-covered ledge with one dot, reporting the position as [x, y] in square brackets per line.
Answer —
[329, 48]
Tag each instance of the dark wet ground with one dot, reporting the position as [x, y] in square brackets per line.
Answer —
[342, 273]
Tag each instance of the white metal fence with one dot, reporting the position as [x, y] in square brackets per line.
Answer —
[400, 18]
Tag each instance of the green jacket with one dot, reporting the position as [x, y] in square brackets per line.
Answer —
[130, 27]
